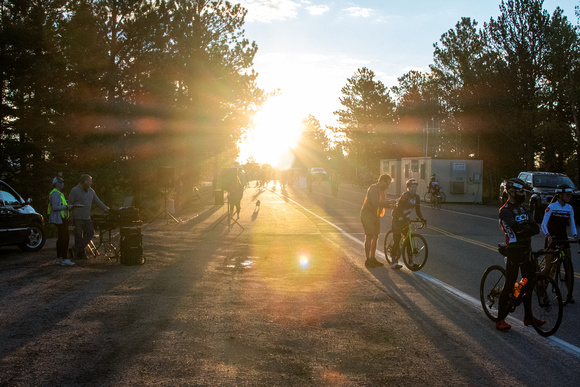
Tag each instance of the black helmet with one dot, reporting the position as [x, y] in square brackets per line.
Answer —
[563, 188]
[411, 182]
[515, 183]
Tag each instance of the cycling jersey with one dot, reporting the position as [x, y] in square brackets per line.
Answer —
[517, 224]
[405, 204]
[556, 219]
[434, 186]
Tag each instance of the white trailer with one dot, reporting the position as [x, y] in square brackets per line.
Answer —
[461, 180]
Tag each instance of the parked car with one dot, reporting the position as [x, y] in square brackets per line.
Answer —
[540, 191]
[318, 173]
[20, 224]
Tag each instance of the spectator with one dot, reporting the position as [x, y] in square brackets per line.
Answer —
[82, 197]
[372, 210]
[58, 214]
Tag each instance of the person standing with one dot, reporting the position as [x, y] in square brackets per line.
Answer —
[558, 217]
[518, 226]
[81, 197]
[372, 210]
[58, 214]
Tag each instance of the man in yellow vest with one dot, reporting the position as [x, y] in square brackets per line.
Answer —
[58, 213]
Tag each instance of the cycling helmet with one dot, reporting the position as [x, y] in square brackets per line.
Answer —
[412, 182]
[515, 183]
[563, 188]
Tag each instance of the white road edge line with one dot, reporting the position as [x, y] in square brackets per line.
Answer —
[570, 348]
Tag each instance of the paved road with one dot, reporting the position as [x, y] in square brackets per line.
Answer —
[280, 298]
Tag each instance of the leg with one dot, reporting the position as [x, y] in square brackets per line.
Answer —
[62, 240]
[528, 271]
[373, 245]
[569, 275]
[511, 275]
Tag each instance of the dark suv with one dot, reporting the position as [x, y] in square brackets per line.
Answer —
[540, 191]
[20, 225]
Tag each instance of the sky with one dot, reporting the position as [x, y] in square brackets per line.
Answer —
[307, 49]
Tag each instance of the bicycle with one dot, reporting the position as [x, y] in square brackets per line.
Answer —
[427, 197]
[561, 271]
[436, 201]
[413, 246]
[546, 298]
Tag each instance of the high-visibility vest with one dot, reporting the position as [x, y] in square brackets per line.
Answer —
[63, 213]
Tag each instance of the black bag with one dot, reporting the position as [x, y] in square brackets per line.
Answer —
[131, 246]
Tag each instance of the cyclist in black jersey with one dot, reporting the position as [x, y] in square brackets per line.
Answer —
[559, 215]
[434, 186]
[402, 215]
[519, 227]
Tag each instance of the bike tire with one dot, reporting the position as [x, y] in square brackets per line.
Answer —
[388, 246]
[415, 260]
[443, 197]
[490, 288]
[547, 305]
[427, 197]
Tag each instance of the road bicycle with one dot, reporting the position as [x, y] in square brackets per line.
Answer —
[547, 306]
[561, 271]
[436, 201]
[427, 197]
[413, 246]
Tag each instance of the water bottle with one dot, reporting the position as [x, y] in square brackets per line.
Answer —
[518, 286]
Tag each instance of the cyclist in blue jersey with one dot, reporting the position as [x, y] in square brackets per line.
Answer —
[519, 227]
[559, 215]
[408, 201]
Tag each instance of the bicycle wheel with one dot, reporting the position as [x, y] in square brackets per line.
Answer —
[427, 197]
[437, 201]
[388, 248]
[492, 283]
[564, 281]
[546, 306]
[415, 257]
[443, 197]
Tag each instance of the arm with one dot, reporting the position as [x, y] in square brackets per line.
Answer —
[99, 202]
[56, 203]
[418, 208]
[544, 226]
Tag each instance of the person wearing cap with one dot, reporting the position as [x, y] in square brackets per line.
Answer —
[81, 197]
[372, 210]
[559, 215]
[408, 201]
[58, 214]
[519, 227]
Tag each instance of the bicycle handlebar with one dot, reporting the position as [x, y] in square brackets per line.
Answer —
[422, 221]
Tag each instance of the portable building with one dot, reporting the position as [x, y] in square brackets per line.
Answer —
[461, 180]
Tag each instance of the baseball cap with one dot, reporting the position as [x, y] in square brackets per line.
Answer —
[57, 180]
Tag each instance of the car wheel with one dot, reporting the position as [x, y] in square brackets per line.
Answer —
[35, 238]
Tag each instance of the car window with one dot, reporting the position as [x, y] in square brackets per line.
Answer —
[8, 199]
[552, 181]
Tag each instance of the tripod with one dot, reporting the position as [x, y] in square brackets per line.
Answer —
[227, 217]
[167, 213]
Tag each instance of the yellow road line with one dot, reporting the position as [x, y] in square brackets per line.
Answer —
[473, 242]
[464, 239]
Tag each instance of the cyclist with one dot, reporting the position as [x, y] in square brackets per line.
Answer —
[434, 186]
[518, 226]
[408, 201]
[559, 215]
[372, 210]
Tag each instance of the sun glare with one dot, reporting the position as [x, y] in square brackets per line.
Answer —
[276, 130]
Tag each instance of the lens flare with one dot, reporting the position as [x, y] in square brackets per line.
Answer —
[303, 260]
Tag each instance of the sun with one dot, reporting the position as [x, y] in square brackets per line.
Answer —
[276, 130]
